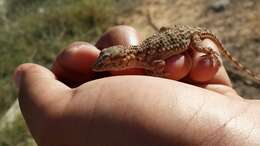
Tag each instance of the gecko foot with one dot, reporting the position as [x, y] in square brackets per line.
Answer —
[213, 58]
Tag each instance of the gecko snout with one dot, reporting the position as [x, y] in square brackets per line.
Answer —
[110, 59]
[99, 65]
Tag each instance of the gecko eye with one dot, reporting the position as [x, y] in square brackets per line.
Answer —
[105, 55]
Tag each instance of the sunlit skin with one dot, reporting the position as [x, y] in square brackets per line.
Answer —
[67, 106]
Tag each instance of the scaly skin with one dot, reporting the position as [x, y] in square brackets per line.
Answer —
[153, 51]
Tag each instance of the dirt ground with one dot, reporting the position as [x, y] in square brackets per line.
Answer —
[235, 22]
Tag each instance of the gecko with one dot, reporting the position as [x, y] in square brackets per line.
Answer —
[153, 52]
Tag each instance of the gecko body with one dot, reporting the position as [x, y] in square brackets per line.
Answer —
[168, 41]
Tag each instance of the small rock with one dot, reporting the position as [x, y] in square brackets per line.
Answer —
[219, 5]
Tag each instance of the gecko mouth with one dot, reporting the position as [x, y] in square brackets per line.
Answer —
[100, 63]
[97, 66]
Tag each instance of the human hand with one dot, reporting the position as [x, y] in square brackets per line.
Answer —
[133, 110]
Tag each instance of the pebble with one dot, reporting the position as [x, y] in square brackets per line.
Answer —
[219, 5]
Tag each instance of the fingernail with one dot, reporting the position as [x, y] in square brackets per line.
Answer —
[17, 78]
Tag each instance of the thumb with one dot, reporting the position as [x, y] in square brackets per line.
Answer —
[39, 93]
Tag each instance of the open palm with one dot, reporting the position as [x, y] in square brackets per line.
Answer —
[67, 107]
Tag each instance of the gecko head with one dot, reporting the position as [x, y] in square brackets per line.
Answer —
[111, 59]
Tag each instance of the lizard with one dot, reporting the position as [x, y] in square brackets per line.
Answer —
[154, 50]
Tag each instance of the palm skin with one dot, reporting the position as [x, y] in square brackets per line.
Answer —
[65, 106]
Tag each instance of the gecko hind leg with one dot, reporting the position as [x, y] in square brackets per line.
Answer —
[213, 58]
[196, 44]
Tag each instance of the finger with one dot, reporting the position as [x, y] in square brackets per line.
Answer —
[39, 92]
[178, 66]
[73, 64]
[206, 71]
[120, 35]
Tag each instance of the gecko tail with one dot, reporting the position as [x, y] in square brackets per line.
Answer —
[233, 60]
[240, 66]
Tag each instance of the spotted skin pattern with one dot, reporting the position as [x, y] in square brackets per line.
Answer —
[168, 41]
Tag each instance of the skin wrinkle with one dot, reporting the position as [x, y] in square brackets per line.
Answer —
[220, 139]
[222, 127]
[200, 106]
[244, 113]
[73, 93]
[156, 104]
[196, 113]
[250, 133]
[124, 120]
[253, 127]
[176, 103]
[243, 142]
[91, 112]
[189, 121]
[142, 116]
[128, 106]
[45, 111]
[44, 107]
[55, 116]
[100, 94]
[222, 89]
[152, 108]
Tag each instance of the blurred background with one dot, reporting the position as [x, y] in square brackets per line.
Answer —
[36, 30]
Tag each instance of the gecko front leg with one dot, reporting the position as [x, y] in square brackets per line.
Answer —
[196, 44]
[157, 68]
